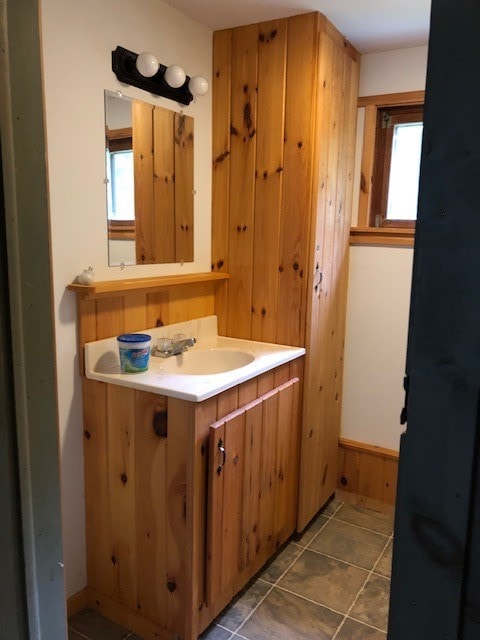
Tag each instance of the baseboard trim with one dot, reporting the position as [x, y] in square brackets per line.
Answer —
[77, 602]
[367, 475]
[125, 617]
[370, 449]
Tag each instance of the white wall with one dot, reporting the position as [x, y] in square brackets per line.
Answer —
[393, 71]
[78, 38]
[379, 291]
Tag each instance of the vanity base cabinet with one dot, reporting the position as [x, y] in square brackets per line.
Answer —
[251, 488]
[170, 540]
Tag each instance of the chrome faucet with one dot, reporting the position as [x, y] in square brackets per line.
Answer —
[167, 347]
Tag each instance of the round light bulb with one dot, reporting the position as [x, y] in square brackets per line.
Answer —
[198, 86]
[147, 64]
[175, 76]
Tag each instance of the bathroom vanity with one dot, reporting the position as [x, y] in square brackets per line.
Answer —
[191, 478]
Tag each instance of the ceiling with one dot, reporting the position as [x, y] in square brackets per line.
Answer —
[370, 25]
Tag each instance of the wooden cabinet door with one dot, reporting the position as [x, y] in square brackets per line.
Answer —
[252, 488]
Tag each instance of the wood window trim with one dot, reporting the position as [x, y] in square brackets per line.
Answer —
[119, 139]
[121, 229]
[364, 233]
[389, 236]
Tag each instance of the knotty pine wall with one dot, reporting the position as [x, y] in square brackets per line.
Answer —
[284, 114]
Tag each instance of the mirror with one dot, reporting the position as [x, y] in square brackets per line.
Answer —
[149, 170]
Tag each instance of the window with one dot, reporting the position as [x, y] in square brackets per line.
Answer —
[398, 144]
[120, 184]
[390, 168]
[120, 192]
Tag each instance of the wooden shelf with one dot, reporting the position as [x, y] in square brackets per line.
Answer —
[119, 287]
[382, 236]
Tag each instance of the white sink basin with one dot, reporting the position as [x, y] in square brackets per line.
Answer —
[205, 362]
[213, 365]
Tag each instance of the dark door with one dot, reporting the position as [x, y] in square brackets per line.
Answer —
[12, 589]
[436, 566]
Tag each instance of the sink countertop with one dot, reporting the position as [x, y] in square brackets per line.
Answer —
[102, 362]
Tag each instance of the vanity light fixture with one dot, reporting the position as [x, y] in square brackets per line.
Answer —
[145, 72]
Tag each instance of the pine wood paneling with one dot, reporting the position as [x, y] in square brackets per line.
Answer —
[86, 327]
[335, 187]
[370, 481]
[348, 160]
[164, 184]
[157, 309]
[272, 49]
[110, 317]
[251, 483]
[267, 485]
[247, 391]
[313, 455]
[135, 311]
[136, 497]
[266, 382]
[142, 116]
[176, 475]
[99, 564]
[286, 461]
[337, 87]
[221, 105]
[367, 475]
[150, 507]
[120, 470]
[205, 414]
[227, 402]
[232, 511]
[242, 179]
[390, 478]
[215, 515]
[183, 188]
[348, 466]
[297, 194]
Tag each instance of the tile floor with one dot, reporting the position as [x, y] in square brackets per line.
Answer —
[329, 583]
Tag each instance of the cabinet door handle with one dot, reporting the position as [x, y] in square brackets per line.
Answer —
[221, 448]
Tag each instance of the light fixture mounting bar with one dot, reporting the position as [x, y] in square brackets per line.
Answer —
[123, 66]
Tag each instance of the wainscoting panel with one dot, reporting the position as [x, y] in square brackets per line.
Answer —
[367, 475]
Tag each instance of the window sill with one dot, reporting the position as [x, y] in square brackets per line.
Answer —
[386, 236]
[121, 229]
